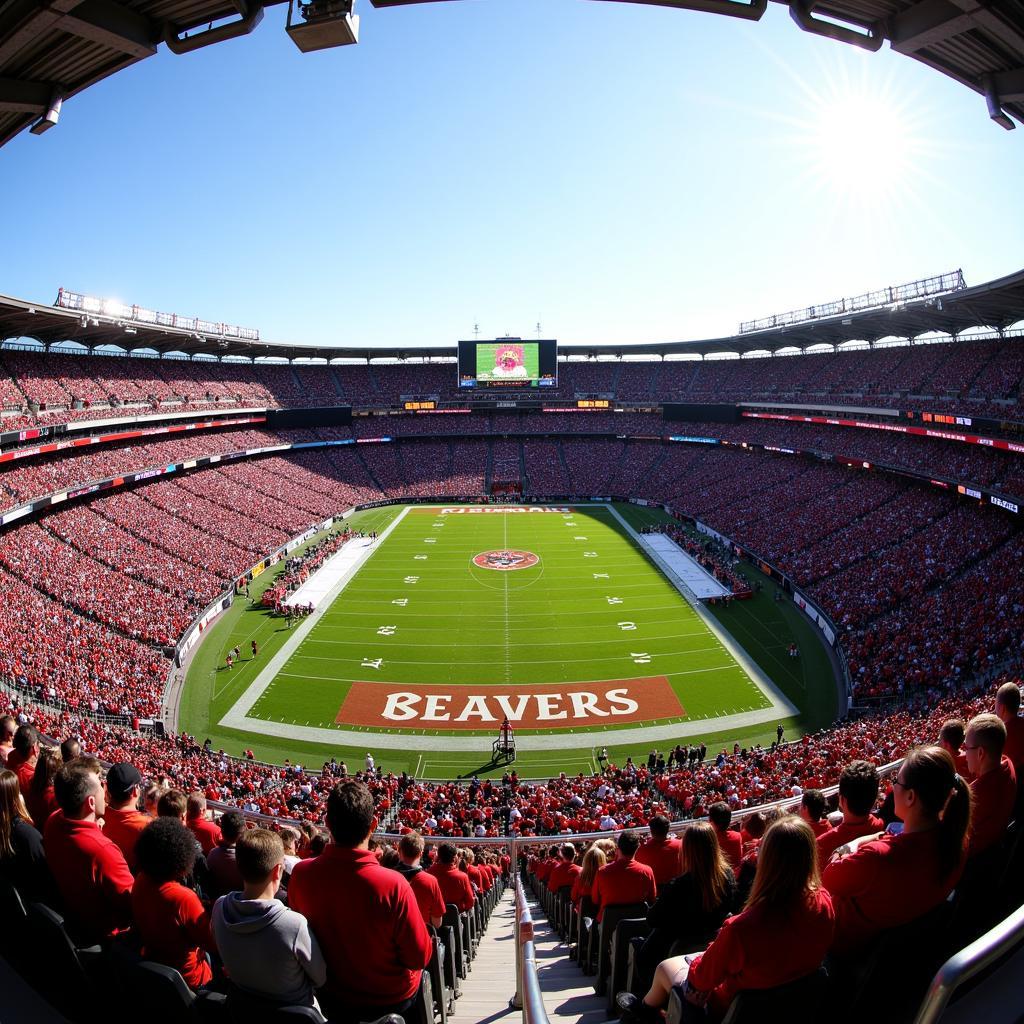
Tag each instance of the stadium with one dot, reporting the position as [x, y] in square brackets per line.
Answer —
[508, 674]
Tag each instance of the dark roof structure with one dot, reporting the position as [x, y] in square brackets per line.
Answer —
[996, 306]
[51, 51]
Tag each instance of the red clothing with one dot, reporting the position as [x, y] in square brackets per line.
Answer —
[92, 876]
[564, 874]
[25, 771]
[732, 846]
[476, 876]
[1014, 748]
[41, 807]
[368, 924]
[992, 798]
[544, 869]
[579, 891]
[819, 828]
[884, 884]
[623, 881]
[427, 891]
[764, 948]
[662, 857]
[455, 886]
[207, 832]
[830, 841]
[124, 827]
[174, 928]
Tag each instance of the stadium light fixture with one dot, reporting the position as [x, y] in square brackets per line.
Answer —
[324, 24]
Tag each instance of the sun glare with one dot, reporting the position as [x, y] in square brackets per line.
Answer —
[860, 143]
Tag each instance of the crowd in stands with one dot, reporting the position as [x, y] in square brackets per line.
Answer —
[299, 568]
[972, 377]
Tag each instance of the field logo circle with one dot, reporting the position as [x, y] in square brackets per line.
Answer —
[506, 560]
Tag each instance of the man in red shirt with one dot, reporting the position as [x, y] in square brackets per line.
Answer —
[207, 832]
[565, 871]
[476, 875]
[455, 885]
[425, 886]
[546, 864]
[661, 852]
[363, 915]
[994, 789]
[90, 869]
[858, 791]
[122, 819]
[1007, 706]
[22, 759]
[730, 841]
[812, 809]
[624, 880]
[951, 739]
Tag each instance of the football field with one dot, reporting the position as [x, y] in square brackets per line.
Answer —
[460, 616]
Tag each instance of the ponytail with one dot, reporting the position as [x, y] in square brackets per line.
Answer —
[954, 825]
[931, 773]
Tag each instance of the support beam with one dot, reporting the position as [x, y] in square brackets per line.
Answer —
[926, 23]
[108, 23]
[17, 96]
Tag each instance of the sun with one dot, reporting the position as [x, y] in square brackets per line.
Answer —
[861, 143]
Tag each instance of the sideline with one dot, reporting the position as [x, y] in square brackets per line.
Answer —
[238, 715]
[780, 704]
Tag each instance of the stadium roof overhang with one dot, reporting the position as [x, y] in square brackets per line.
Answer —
[993, 306]
[52, 51]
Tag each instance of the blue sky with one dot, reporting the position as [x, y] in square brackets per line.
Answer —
[617, 172]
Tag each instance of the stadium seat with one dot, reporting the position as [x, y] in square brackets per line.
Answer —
[162, 990]
[601, 938]
[454, 920]
[800, 1000]
[626, 932]
[75, 995]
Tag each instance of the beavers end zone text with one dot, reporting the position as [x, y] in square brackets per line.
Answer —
[526, 707]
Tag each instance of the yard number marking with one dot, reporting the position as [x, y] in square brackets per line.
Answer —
[412, 579]
[386, 630]
[372, 662]
[627, 625]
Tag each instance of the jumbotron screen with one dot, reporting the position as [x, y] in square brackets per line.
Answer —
[508, 362]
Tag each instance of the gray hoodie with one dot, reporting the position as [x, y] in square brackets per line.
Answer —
[268, 950]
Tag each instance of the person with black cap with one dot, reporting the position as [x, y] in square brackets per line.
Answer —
[122, 819]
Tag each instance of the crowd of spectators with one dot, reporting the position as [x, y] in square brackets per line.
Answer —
[972, 377]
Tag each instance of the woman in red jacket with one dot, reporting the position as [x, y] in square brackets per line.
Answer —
[883, 881]
[782, 934]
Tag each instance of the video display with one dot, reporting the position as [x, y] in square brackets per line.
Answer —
[508, 362]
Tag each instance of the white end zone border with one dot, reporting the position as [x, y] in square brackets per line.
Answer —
[780, 704]
[238, 715]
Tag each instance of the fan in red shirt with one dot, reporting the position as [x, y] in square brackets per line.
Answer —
[782, 934]
[891, 880]
[90, 870]
[123, 822]
[565, 871]
[22, 760]
[425, 886]
[951, 739]
[730, 841]
[455, 885]
[364, 916]
[624, 880]
[812, 809]
[858, 791]
[207, 832]
[661, 852]
[1007, 708]
[994, 789]
[170, 920]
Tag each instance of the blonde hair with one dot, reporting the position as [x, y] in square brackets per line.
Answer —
[787, 865]
[593, 860]
[701, 856]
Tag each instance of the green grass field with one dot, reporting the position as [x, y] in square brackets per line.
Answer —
[420, 612]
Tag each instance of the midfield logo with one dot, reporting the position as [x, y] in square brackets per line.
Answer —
[507, 560]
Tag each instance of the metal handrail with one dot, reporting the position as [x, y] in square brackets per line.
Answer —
[970, 961]
[528, 997]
